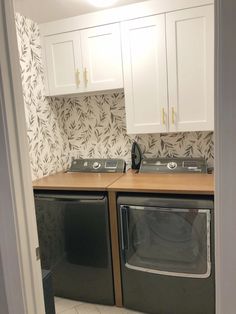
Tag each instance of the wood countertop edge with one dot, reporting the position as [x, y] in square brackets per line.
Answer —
[121, 184]
[203, 184]
[163, 191]
[73, 188]
[69, 188]
[124, 189]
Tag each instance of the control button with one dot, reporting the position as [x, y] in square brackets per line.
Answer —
[85, 164]
[172, 165]
[111, 164]
[96, 165]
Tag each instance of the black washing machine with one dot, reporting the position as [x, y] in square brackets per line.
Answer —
[74, 237]
[74, 240]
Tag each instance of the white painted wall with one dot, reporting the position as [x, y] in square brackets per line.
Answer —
[225, 157]
[3, 298]
[50, 10]
[18, 233]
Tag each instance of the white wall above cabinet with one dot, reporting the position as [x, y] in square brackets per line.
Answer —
[84, 61]
[119, 14]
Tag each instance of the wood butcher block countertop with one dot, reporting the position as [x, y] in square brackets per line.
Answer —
[165, 183]
[129, 182]
[79, 181]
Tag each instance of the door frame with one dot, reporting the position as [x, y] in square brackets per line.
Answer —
[20, 268]
[225, 152]
[20, 273]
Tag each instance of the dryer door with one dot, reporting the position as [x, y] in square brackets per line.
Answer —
[168, 241]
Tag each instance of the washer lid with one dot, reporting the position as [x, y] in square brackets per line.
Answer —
[97, 165]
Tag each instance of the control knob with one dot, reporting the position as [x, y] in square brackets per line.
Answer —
[172, 165]
[96, 165]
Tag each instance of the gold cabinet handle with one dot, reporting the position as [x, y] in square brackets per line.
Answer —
[163, 116]
[173, 115]
[77, 77]
[85, 76]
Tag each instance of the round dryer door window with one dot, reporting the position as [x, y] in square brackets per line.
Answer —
[170, 241]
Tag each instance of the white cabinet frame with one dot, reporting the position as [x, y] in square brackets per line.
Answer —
[101, 55]
[190, 58]
[103, 18]
[63, 63]
[83, 61]
[145, 74]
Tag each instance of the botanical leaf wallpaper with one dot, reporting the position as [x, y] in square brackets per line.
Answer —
[62, 128]
[48, 145]
[95, 126]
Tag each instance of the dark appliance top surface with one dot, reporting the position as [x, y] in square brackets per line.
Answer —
[97, 165]
[173, 165]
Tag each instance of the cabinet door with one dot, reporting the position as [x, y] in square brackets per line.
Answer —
[63, 59]
[190, 55]
[145, 74]
[101, 52]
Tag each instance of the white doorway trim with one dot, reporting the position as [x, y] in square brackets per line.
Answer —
[19, 269]
[20, 274]
[225, 153]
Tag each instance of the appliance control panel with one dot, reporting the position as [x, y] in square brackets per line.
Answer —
[173, 165]
[97, 165]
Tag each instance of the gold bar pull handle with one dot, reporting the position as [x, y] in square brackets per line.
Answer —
[163, 116]
[173, 115]
[85, 76]
[77, 78]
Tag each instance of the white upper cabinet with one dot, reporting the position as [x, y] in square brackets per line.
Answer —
[101, 53]
[182, 97]
[160, 52]
[63, 63]
[84, 61]
[190, 55]
[145, 74]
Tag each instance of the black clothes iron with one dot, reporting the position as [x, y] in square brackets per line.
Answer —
[136, 156]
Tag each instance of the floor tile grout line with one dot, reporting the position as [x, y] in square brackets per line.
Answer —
[94, 307]
[67, 309]
[64, 311]
[76, 310]
[97, 309]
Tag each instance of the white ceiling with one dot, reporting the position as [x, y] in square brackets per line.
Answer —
[42, 11]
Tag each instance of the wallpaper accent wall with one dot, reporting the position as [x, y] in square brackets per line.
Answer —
[48, 145]
[62, 128]
[96, 127]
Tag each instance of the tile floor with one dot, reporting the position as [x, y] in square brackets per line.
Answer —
[65, 306]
